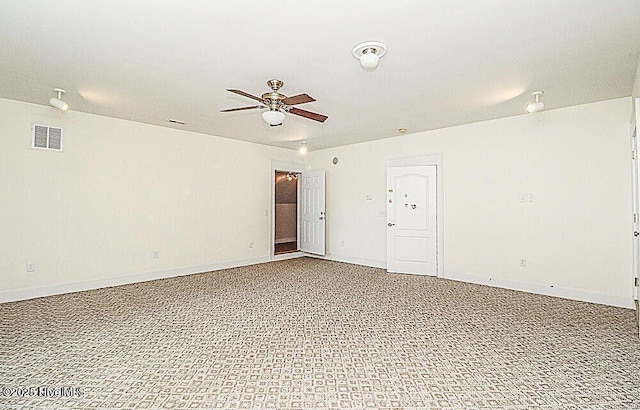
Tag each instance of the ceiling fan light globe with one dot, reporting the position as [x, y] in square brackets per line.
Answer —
[369, 60]
[273, 117]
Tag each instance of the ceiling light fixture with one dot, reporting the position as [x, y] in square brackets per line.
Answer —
[537, 105]
[273, 117]
[303, 148]
[369, 53]
[57, 102]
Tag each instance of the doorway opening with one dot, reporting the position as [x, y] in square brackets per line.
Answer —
[286, 212]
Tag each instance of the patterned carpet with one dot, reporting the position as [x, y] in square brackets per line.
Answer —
[305, 333]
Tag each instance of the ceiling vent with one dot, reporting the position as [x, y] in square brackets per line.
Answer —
[43, 137]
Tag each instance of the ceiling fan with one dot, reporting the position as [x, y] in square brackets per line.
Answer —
[278, 104]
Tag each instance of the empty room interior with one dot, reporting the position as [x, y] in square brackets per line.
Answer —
[363, 204]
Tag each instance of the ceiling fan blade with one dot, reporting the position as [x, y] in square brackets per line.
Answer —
[308, 114]
[298, 99]
[240, 92]
[243, 108]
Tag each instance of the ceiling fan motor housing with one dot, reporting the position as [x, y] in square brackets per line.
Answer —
[274, 100]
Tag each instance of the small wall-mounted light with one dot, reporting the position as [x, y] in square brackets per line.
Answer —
[369, 54]
[303, 148]
[536, 105]
[57, 102]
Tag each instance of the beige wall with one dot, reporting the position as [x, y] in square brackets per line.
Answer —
[120, 191]
[636, 84]
[575, 235]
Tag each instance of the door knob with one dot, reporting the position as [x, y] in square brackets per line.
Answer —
[391, 224]
[636, 233]
[322, 218]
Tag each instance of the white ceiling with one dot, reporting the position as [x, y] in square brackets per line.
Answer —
[447, 63]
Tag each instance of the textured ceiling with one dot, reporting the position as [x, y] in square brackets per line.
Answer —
[448, 63]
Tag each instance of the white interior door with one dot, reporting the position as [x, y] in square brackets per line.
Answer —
[635, 176]
[312, 218]
[411, 220]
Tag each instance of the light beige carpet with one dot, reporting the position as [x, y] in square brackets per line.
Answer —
[310, 334]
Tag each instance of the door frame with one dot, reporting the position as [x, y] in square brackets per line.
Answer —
[437, 160]
[291, 167]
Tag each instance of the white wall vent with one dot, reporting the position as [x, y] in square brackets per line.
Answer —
[43, 137]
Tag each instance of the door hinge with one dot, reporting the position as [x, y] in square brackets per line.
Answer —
[633, 154]
[635, 218]
[636, 282]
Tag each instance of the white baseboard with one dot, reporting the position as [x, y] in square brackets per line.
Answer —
[548, 290]
[348, 259]
[285, 240]
[31, 293]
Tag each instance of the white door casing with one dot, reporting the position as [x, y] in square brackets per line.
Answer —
[411, 220]
[313, 218]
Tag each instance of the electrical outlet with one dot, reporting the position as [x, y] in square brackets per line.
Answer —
[341, 243]
[31, 266]
[250, 244]
[523, 263]
[156, 254]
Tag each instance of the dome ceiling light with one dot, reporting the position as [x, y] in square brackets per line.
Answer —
[369, 54]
